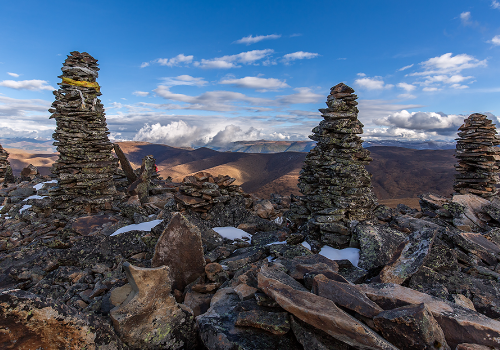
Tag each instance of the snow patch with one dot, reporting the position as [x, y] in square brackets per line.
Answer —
[306, 245]
[351, 254]
[143, 226]
[1, 207]
[34, 197]
[26, 206]
[284, 242]
[279, 220]
[39, 186]
[231, 232]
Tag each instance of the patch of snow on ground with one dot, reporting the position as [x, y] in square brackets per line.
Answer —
[351, 254]
[26, 206]
[143, 226]
[1, 207]
[231, 232]
[307, 245]
[34, 197]
[284, 242]
[270, 258]
[279, 220]
[39, 186]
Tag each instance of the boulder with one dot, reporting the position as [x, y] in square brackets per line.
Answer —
[321, 313]
[274, 322]
[411, 327]
[150, 318]
[29, 321]
[180, 248]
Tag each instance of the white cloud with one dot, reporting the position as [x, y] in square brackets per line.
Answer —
[446, 64]
[175, 61]
[407, 96]
[231, 61]
[430, 89]
[261, 84]
[33, 85]
[405, 68]
[465, 18]
[459, 86]
[299, 55]
[233, 133]
[495, 4]
[496, 40]
[178, 134]
[184, 80]
[13, 74]
[407, 87]
[303, 95]
[255, 39]
[361, 75]
[144, 64]
[375, 83]
[140, 93]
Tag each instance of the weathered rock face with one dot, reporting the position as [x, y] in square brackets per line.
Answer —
[478, 158]
[336, 186]
[5, 169]
[86, 165]
[29, 321]
[180, 248]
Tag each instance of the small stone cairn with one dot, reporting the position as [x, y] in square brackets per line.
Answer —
[86, 164]
[336, 186]
[4, 164]
[478, 157]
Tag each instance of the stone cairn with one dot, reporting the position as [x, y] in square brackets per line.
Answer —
[478, 157]
[86, 164]
[4, 164]
[335, 185]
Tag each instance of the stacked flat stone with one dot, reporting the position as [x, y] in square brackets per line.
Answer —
[478, 157]
[336, 186]
[4, 163]
[86, 164]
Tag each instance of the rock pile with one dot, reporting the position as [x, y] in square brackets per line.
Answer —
[4, 165]
[86, 165]
[336, 186]
[478, 158]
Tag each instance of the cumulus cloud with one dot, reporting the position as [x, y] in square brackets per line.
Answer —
[232, 61]
[495, 4]
[375, 83]
[248, 40]
[465, 18]
[407, 87]
[233, 133]
[13, 74]
[496, 40]
[177, 134]
[260, 84]
[407, 96]
[439, 123]
[184, 80]
[34, 85]
[430, 89]
[405, 68]
[175, 61]
[145, 64]
[299, 55]
[140, 93]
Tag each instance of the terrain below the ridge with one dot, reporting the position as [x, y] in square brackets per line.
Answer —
[398, 173]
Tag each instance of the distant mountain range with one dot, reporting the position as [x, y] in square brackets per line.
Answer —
[397, 172]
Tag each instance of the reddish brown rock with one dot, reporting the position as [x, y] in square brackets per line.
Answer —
[459, 324]
[411, 328]
[466, 346]
[29, 321]
[180, 248]
[150, 317]
[323, 314]
[198, 302]
[346, 295]
[86, 225]
[274, 322]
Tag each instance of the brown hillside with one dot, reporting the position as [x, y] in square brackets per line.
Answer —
[397, 172]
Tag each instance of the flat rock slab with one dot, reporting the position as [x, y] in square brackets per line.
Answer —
[87, 224]
[411, 328]
[180, 248]
[29, 321]
[411, 254]
[323, 314]
[478, 245]
[346, 295]
[274, 322]
[459, 324]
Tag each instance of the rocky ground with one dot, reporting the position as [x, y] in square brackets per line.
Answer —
[426, 279]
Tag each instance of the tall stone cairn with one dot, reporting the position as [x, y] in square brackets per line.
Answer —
[478, 157]
[4, 164]
[86, 164]
[336, 186]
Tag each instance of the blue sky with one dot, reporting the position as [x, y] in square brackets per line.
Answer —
[189, 73]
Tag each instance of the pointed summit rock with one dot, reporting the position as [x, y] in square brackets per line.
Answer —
[5, 169]
[86, 164]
